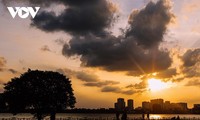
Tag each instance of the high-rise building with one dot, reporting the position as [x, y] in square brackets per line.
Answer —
[130, 104]
[120, 105]
[146, 106]
[167, 106]
[157, 105]
[183, 106]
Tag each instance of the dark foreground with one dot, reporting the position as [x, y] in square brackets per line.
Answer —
[75, 116]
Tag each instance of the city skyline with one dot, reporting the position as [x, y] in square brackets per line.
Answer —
[124, 104]
[138, 49]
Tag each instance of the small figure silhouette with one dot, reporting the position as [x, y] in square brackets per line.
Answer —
[117, 115]
[148, 116]
[143, 116]
[178, 118]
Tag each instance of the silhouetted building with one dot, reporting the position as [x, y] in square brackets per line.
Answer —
[179, 107]
[157, 105]
[120, 105]
[183, 106]
[130, 105]
[196, 106]
[146, 106]
[167, 106]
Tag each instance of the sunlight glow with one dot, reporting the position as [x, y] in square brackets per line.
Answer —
[155, 116]
[156, 85]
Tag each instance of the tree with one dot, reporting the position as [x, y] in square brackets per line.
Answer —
[42, 92]
[3, 106]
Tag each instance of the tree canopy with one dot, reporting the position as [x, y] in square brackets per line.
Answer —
[44, 92]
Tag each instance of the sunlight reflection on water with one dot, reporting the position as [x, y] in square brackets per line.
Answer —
[155, 117]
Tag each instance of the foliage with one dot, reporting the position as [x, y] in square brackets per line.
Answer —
[40, 91]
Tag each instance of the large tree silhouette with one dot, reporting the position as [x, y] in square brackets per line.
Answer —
[42, 92]
[3, 107]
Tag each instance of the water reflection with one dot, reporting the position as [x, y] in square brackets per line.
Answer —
[155, 116]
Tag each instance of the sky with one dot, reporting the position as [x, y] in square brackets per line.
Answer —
[135, 49]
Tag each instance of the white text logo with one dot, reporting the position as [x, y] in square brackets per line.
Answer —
[23, 12]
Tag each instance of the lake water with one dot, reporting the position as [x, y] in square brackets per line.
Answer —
[102, 116]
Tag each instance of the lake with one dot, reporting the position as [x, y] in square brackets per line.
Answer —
[76, 116]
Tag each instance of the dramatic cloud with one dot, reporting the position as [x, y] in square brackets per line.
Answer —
[112, 54]
[2, 63]
[191, 63]
[149, 24]
[79, 17]
[135, 51]
[49, 2]
[126, 53]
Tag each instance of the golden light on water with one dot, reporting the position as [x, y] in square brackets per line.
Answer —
[157, 85]
[155, 116]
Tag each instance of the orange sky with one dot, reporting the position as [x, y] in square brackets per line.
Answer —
[23, 47]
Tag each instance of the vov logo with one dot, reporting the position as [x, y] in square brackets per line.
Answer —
[23, 12]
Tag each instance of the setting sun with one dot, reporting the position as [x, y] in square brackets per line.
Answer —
[156, 85]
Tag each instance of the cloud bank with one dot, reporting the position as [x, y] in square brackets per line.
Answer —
[91, 80]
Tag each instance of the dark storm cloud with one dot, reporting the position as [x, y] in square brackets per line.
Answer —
[135, 51]
[191, 63]
[115, 54]
[49, 2]
[2, 63]
[126, 53]
[149, 24]
[80, 17]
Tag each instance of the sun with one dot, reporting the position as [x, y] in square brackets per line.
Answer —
[156, 85]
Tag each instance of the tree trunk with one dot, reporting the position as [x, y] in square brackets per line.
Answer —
[53, 116]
